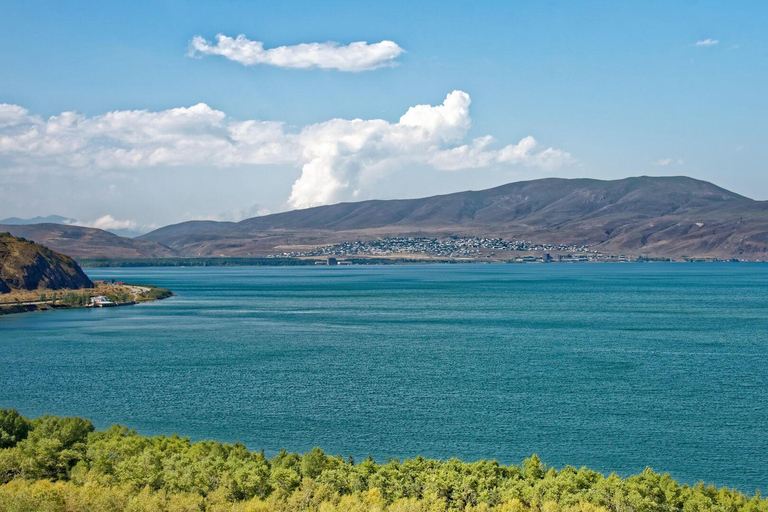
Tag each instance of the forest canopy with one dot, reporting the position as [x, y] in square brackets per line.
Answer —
[65, 464]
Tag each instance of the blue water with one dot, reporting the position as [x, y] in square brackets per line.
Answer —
[615, 367]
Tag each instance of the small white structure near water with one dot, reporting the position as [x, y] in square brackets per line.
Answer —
[101, 301]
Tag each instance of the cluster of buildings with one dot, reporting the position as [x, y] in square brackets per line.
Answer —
[452, 247]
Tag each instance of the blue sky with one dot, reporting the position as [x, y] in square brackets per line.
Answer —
[620, 87]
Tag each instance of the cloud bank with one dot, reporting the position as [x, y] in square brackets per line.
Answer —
[340, 159]
[359, 56]
[108, 222]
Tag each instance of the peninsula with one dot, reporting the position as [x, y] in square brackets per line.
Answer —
[33, 278]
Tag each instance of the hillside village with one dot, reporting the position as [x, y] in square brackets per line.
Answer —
[469, 248]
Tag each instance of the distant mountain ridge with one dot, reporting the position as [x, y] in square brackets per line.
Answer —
[50, 219]
[58, 219]
[656, 216]
[651, 216]
[81, 242]
[546, 201]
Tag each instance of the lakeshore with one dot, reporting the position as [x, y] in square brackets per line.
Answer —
[389, 260]
[103, 294]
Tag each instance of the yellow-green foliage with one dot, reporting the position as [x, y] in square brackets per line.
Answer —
[63, 464]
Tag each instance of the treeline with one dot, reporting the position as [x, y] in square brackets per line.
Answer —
[195, 262]
[64, 464]
[72, 299]
[156, 292]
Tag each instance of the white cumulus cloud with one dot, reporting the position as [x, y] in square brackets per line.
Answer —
[707, 42]
[340, 159]
[667, 161]
[358, 56]
[108, 222]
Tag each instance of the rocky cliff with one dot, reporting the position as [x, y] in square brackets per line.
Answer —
[25, 265]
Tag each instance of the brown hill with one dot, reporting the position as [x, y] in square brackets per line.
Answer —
[25, 265]
[654, 216]
[80, 242]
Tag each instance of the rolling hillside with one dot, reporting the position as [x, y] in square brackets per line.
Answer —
[80, 242]
[654, 216]
[650, 216]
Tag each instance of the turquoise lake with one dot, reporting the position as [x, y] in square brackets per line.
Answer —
[615, 367]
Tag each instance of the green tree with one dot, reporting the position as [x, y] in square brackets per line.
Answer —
[285, 480]
[252, 478]
[287, 460]
[313, 463]
[54, 445]
[533, 468]
[13, 427]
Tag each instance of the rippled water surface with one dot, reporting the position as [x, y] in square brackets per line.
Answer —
[616, 367]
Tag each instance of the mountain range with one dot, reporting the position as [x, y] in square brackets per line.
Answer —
[49, 219]
[58, 219]
[652, 216]
[81, 242]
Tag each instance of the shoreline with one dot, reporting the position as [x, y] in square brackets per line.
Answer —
[131, 294]
[359, 261]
